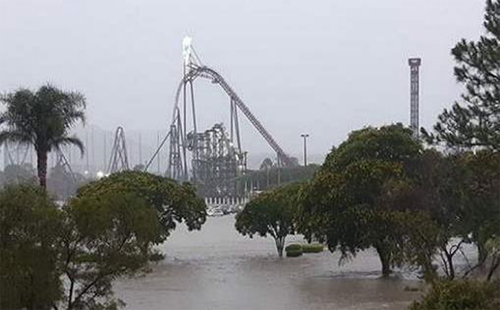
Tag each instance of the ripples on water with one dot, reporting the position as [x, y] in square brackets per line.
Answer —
[216, 268]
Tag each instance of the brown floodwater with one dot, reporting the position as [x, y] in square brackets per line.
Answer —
[217, 268]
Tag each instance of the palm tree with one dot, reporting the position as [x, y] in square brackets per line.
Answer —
[42, 119]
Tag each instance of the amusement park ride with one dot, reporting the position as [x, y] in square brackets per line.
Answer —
[212, 159]
[119, 159]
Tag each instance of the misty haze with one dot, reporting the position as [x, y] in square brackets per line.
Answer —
[280, 154]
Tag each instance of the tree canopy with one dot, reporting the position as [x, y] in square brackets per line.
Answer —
[103, 238]
[29, 232]
[53, 258]
[174, 202]
[479, 202]
[43, 119]
[475, 122]
[347, 202]
[271, 213]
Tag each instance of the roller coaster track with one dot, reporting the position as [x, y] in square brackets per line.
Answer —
[208, 73]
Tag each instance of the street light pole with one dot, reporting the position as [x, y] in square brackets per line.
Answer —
[305, 136]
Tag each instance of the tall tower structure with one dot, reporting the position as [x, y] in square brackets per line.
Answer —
[118, 160]
[414, 93]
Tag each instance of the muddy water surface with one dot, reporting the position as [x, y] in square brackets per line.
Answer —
[218, 269]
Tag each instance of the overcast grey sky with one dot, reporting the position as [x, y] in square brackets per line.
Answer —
[324, 67]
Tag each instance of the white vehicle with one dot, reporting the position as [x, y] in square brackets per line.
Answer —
[214, 212]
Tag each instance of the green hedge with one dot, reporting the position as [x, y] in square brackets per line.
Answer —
[312, 248]
[293, 250]
[294, 253]
[294, 247]
[459, 294]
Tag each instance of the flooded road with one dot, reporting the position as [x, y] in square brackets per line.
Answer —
[217, 268]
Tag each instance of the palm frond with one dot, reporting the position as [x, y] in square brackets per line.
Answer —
[43, 117]
[14, 136]
[72, 117]
[73, 140]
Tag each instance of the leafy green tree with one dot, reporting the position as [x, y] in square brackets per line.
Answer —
[270, 213]
[470, 295]
[174, 203]
[475, 121]
[480, 198]
[470, 125]
[29, 232]
[346, 204]
[493, 247]
[104, 238]
[85, 245]
[437, 190]
[42, 119]
[267, 164]
[460, 192]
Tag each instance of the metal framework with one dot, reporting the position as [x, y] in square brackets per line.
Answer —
[212, 159]
[414, 94]
[15, 153]
[63, 164]
[118, 160]
[216, 162]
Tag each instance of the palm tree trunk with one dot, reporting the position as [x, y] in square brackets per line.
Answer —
[42, 168]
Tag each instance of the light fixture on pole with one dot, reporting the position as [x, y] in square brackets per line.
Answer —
[305, 136]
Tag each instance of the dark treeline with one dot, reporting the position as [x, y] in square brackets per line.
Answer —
[270, 176]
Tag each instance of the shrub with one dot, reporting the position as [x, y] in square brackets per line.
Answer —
[294, 247]
[293, 250]
[467, 295]
[312, 248]
[294, 253]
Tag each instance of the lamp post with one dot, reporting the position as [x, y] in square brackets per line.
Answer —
[305, 136]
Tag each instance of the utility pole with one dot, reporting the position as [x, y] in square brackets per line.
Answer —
[105, 158]
[305, 136]
[92, 148]
[140, 148]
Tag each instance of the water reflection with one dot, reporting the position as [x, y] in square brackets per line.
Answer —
[216, 268]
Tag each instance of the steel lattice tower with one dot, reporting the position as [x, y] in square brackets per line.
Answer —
[63, 164]
[414, 93]
[175, 169]
[15, 153]
[118, 160]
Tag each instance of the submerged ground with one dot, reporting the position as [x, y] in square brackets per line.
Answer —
[216, 268]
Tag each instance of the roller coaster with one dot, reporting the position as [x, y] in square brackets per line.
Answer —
[212, 159]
